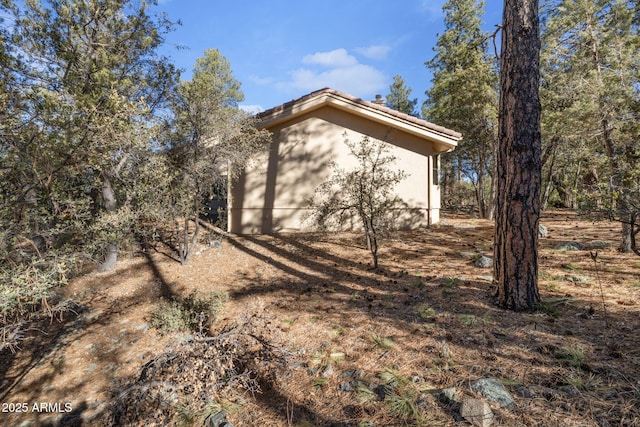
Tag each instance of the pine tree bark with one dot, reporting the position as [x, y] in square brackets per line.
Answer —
[518, 159]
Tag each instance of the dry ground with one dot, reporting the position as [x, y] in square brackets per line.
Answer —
[427, 318]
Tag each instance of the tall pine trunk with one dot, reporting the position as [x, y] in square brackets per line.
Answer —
[518, 159]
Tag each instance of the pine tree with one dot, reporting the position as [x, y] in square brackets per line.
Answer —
[94, 80]
[210, 139]
[398, 98]
[592, 51]
[518, 159]
[464, 97]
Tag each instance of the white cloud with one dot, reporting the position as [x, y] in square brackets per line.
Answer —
[377, 52]
[336, 69]
[334, 58]
[358, 79]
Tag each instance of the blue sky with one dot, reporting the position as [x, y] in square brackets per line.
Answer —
[283, 49]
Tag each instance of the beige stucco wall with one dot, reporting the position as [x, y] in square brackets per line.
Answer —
[270, 196]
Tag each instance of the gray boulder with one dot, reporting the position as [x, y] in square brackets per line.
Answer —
[477, 412]
[467, 255]
[542, 231]
[219, 419]
[448, 395]
[493, 390]
[599, 244]
[578, 279]
[570, 246]
[484, 261]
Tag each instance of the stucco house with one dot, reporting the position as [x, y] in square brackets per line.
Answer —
[308, 132]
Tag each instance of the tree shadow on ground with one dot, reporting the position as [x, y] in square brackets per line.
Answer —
[45, 350]
[314, 281]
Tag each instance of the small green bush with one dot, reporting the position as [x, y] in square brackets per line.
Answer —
[191, 314]
[28, 291]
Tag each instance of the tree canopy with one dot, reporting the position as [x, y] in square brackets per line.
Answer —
[463, 97]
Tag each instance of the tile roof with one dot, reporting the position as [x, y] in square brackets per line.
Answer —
[381, 108]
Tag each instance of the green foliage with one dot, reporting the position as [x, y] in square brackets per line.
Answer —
[464, 97]
[208, 140]
[28, 291]
[385, 343]
[572, 355]
[590, 79]
[584, 382]
[191, 314]
[553, 306]
[365, 193]
[81, 118]
[403, 407]
[473, 320]
[425, 312]
[398, 98]
[365, 394]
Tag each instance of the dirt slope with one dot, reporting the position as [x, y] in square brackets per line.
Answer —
[427, 318]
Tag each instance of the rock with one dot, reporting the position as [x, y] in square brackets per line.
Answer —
[219, 419]
[569, 246]
[544, 392]
[477, 412]
[351, 373]
[346, 386]
[484, 262]
[569, 389]
[493, 390]
[448, 395]
[422, 401]
[328, 371]
[599, 244]
[542, 231]
[382, 391]
[467, 255]
[524, 392]
[578, 279]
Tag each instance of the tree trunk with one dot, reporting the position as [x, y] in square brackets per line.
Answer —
[494, 181]
[480, 197]
[110, 205]
[548, 185]
[518, 159]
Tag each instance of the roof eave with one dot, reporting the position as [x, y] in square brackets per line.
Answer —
[443, 142]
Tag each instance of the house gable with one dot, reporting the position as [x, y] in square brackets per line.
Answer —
[307, 135]
[442, 139]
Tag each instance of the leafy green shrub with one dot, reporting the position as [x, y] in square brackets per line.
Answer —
[190, 314]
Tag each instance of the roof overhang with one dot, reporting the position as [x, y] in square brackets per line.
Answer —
[444, 139]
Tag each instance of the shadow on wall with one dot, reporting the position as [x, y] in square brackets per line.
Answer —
[270, 196]
[265, 200]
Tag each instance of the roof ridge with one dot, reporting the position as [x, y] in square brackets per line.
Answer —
[382, 108]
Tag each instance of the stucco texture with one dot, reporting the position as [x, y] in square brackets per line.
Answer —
[273, 192]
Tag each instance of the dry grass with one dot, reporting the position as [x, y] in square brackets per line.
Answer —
[425, 322]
